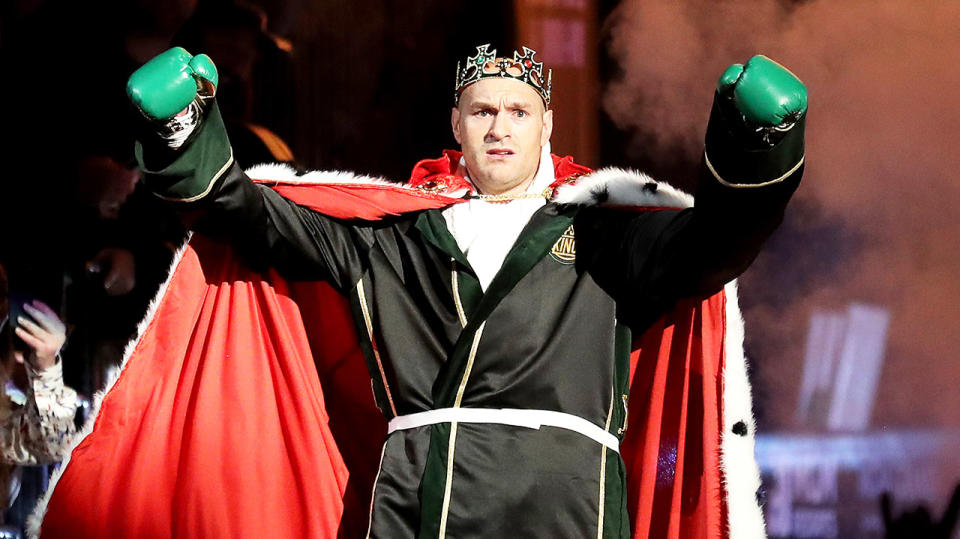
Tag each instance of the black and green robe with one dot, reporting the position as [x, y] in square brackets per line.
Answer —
[554, 330]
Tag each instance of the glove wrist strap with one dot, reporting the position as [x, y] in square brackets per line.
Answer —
[179, 130]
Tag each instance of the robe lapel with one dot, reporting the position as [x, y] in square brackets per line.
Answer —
[534, 242]
[434, 229]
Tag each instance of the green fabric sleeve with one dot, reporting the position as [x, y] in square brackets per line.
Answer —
[737, 158]
[187, 174]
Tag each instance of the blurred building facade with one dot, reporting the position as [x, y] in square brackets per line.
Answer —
[824, 478]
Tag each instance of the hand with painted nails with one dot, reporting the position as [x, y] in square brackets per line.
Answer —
[43, 332]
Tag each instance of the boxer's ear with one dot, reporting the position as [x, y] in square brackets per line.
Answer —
[547, 127]
[455, 124]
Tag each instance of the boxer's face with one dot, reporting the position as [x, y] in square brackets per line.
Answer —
[501, 125]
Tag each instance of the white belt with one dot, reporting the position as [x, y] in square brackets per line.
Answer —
[518, 417]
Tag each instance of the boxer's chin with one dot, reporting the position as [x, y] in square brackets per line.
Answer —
[499, 175]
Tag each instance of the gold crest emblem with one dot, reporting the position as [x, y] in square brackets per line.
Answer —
[565, 250]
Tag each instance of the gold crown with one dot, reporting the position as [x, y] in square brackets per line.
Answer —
[486, 64]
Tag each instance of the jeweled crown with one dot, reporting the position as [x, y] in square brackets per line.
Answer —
[486, 64]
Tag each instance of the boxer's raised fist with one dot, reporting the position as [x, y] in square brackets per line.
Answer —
[765, 93]
[170, 82]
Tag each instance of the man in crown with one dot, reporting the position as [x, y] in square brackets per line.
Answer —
[511, 307]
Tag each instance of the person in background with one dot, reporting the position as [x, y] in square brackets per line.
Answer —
[37, 423]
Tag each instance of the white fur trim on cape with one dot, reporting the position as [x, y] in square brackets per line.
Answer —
[619, 187]
[35, 520]
[738, 462]
[282, 173]
[608, 186]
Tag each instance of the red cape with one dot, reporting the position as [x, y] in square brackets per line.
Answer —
[244, 408]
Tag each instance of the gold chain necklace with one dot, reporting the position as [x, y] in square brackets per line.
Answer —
[507, 198]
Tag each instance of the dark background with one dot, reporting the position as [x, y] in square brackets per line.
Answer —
[367, 85]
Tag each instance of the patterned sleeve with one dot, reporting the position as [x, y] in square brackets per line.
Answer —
[40, 431]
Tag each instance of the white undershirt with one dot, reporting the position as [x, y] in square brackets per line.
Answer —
[485, 231]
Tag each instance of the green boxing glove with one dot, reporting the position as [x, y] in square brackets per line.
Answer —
[767, 95]
[756, 131]
[173, 90]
